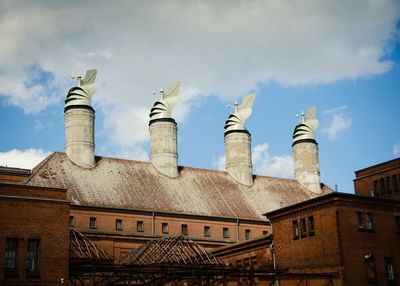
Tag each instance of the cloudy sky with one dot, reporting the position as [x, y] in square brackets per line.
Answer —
[341, 56]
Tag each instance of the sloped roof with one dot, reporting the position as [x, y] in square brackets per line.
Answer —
[169, 250]
[127, 184]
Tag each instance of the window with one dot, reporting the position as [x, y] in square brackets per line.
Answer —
[389, 268]
[295, 229]
[264, 232]
[139, 226]
[388, 189]
[370, 268]
[118, 224]
[207, 231]
[397, 221]
[303, 227]
[225, 232]
[71, 221]
[184, 229]
[376, 189]
[382, 186]
[370, 221]
[311, 225]
[11, 257]
[360, 223]
[92, 223]
[164, 227]
[247, 234]
[32, 257]
[395, 183]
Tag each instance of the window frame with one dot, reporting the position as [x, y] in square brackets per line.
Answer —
[118, 224]
[164, 228]
[303, 228]
[389, 269]
[296, 230]
[388, 185]
[184, 229]
[370, 268]
[93, 223]
[311, 225]
[395, 183]
[369, 221]
[247, 234]
[139, 226]
[11, 254]
[225, 232]
[32, 261]
[360, 220]
[207, 231]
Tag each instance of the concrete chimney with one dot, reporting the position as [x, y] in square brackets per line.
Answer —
[163, 133]
[305, 152]
[79, 121]
[237, 142]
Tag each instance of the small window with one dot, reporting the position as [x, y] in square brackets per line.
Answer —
[207, 231]
[92, 223]
[370, 268]
[395, 183]
[311, 226]
[164, 228]
[397, 222]
[264, 232]
[388, 189]
[32, 257]
[225, 232]
[184, 229]
[370, 221]
[303, 227]
[118, 224]
[389, 268]
[360, 223]
[376, 189]
[139, 226]
[71, 221]
[382, 186]
[295, 229]
[247, 234]
[11, 257]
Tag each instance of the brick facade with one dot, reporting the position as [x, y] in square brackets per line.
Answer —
[33, 218]
[351, 235]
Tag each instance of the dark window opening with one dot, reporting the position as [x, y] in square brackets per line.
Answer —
[389, 268]
[303, 227]
[382, 186]
[369, 221]
[140, 226]
[71, 221]
[311, 227]
[118, 224]
[295, 229]
[370, 268]
[247, 234]
[395, 183]
[360, 223]
[164, 228]
[397, 221]
[32, 258]
[184, 229]
[207, 231]
[264, 232]
[11, 257]
[93, 223]
[376, 188]
[388, 189]
[225, 232]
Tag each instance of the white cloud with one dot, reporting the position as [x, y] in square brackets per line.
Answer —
[339, 121]
[217, 47]
[26, 159]
[396, 150]
[275, 166]
[264, 163]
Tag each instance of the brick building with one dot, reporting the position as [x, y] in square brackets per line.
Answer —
[357, 237]
[34, 236]
[380, 180]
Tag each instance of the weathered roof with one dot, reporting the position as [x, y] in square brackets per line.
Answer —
[118, 183]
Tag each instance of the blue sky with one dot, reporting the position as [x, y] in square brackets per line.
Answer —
[341, 57]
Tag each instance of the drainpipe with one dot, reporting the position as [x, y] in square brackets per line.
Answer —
[237, 230]
[153, 223]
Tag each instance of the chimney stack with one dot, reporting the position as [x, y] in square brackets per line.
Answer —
[237, 142]
[305, 152]
[163, 133]
[79, 121]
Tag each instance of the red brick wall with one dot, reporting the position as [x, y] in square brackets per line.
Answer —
[119, 242]
[35, 219]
